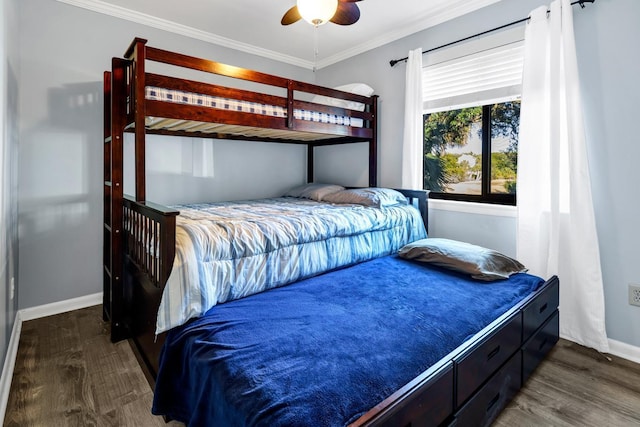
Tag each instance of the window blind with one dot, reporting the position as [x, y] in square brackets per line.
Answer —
[485, 77]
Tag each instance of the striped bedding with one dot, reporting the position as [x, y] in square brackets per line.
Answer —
[226, 251]
[181, 97]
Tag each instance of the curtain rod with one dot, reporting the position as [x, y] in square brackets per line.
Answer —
[519, 21]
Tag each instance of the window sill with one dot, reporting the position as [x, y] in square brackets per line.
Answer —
[473, 208]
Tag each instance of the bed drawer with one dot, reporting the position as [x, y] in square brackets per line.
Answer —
[429, 403]
[539, 310]
[485, 406]
[477, 363]
[539, 345]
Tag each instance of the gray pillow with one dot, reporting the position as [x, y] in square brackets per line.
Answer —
[313, 191]
[481, 263]
[372, 197]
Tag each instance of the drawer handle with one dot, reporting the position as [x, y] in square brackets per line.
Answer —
[493, 353]
[493, 402]
[544, 307]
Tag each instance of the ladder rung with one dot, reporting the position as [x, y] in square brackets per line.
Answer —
[107, 183]
[106, 270]
[107, 226]
[107, 140]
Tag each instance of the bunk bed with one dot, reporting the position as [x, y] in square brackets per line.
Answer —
[146, 103]
[468, 385]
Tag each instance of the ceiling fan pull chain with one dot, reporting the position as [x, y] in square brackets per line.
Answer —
[315, 48]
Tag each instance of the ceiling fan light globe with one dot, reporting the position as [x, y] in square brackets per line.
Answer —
[317, 12]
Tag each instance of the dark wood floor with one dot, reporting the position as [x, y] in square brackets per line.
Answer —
[68, 373]
[577, 386]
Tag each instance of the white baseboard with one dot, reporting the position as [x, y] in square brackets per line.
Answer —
[31, 314]
[61, 307]
[617, 348]
[9, 364]
[624, 350]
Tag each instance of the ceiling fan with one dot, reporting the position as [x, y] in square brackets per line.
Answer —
[319, 12]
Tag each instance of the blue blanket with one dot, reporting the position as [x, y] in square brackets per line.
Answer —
[325, 350]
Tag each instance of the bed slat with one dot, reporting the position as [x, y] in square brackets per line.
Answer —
[150, 238]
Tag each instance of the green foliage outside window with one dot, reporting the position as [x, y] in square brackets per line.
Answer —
[447, 133]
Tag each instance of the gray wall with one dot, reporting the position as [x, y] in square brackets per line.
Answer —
[607, 34]
[63, 53]
[8, 168]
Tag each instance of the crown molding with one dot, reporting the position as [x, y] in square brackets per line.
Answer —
[184, 30]
[421, 23]
[445, 13]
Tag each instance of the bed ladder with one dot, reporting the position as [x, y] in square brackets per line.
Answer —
[115, 88]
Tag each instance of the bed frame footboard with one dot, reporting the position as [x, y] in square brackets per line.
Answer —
[150, 238]
[149, 244]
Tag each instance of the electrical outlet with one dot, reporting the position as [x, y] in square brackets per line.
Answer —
[634, 295]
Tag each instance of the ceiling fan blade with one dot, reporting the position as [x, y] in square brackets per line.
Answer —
[348, 13]
[291, 16]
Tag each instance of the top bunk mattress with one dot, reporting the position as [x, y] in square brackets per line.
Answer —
[208, 101]
[228, 250]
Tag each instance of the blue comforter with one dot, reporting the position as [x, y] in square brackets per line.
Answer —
[325, 350]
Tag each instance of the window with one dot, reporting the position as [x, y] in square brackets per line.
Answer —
[471, 120]
[471, 153]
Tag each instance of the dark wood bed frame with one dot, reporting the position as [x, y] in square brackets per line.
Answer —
[470, 386]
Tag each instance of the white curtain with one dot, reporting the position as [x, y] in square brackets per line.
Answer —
[556, 222]
[412, 155]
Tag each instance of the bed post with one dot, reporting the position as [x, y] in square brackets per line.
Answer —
[114, 308]
[290, 85]
[106, 235]
[310, 152]
[137, 53]
[373, 144]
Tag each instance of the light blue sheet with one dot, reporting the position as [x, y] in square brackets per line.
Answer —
[228, 250]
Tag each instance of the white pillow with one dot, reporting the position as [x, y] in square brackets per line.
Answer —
[356, 88]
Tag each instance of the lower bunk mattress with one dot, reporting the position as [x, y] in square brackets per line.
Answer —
[228, 250]
[325, 350]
